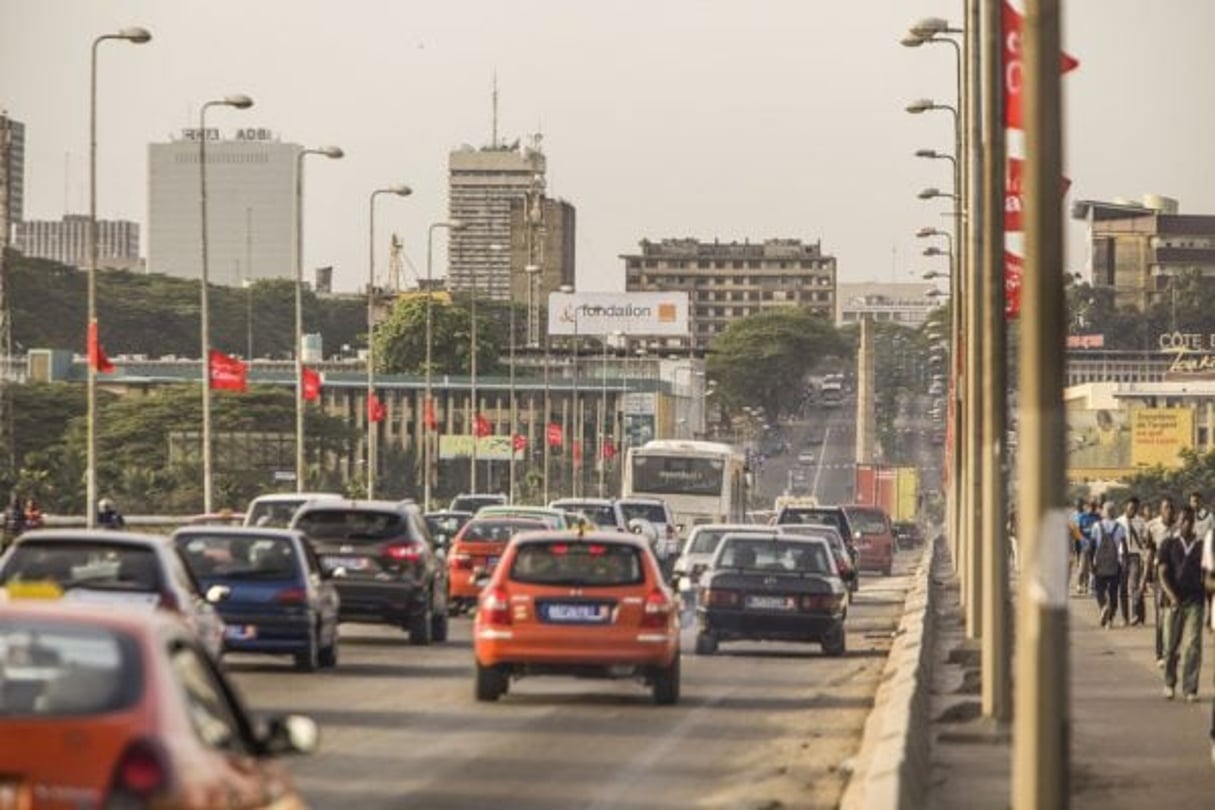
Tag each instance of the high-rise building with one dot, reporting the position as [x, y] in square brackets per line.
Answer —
[541, 238]
[67, 241]
[250, 206]
[14, 166]
[733, 280]
[903, 303]
[483, 183]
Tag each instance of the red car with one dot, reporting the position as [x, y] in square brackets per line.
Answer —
[873, 536]
[474, 554]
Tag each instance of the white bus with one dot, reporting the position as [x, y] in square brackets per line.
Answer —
[703, 482]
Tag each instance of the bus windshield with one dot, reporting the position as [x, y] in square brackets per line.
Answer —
[677, 475]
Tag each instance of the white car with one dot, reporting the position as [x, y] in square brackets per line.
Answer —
[275, 510]
[699, 550]
[807, 457]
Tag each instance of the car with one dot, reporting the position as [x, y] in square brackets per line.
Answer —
[873, 537]
[275, 510]
[466, 502]
[908, 534]
[843, 560]
[605, 513]
[657, 512]
[826, 515]
[383, 561]
[807, 457]
[773, 586]
[587, 604]
[698, 552]
[475, 553]
[552, 518]
[444, 525]
[112, 569]
[120, 709]
[270, 590]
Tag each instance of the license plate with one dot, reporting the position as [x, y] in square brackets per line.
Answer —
[349, 563]
[491, 563]
[240, 632]
[769, 602]
[575, 613]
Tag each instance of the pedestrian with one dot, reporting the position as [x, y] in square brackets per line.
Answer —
[1204, 521]
[1077, 538]
[1179, 571]
[108, 517]
[1109, 540]
[1085, 520]
[1131, 584]
[1158, 529]
[33, 514]
[1208, 565]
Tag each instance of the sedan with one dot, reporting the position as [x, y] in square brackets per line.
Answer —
[117, 708]
[772, 587]
[270, 590]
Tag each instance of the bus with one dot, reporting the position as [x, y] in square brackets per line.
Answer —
[832, 391]
[702, 482]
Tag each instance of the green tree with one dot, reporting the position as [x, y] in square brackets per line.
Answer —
[400, 340]
[1195, 474]
[762, 359]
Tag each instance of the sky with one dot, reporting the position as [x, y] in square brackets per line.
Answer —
[661, 118]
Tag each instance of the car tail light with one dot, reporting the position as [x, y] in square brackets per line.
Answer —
[461, 561]
[141, 773]
[404, 552]
[168, 601]
[819, 601]
[495, 607]
[291, 596]
[657, 610]
[716, 597]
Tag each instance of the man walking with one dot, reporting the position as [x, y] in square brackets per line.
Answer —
[1132, 581]
[1158, 529]
[1109, 542]
[1179, 571]
[1204, 521]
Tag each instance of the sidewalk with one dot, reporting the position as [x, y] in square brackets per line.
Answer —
[1130, 748]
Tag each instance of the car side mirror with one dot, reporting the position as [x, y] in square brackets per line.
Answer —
[217, 593]
[290, 734]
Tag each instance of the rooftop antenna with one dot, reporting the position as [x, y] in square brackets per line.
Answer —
[494, 142]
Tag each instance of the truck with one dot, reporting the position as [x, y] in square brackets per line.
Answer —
[895, 489]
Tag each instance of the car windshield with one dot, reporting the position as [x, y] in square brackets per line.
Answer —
[820, 517]
[868, 521]
[774, 555]
[656, 513]
[471, 503]
[602, 516]
[351, 524]
[56, 669]
[707, 540]
[100, 566]
[497, 530]
[274, 514]
[577, 563]
[812, 530]
[239, 557]
[552, 520]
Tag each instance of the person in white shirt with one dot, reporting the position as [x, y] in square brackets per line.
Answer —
[1109, 546]
[1158, 529]
[1204, 521]
[1133, 583]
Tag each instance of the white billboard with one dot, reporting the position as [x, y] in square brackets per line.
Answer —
[631, 313]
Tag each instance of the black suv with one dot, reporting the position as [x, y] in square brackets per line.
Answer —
[833, 516]
[383, 563]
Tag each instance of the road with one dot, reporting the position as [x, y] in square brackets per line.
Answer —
[760, 725]
[831, 434]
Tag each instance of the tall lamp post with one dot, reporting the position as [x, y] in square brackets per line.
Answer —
[138, 36]
[427, 404]
[372, 436]
[240, 102]
[332, 152]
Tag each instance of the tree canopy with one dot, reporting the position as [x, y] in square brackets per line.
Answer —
[400, 340]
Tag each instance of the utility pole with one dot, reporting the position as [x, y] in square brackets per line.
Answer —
[1041, 744]
[8, 455]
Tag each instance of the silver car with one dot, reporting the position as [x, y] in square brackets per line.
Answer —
[698, 552]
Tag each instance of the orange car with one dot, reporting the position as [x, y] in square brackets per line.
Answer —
[123, 709]
[475, 552]
[572, 603]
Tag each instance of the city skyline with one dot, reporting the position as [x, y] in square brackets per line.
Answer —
[764, 142]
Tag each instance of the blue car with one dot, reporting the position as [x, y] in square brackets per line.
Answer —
[270, 590]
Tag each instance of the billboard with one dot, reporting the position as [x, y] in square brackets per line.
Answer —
[630, 313]
[489, 448]
[1159, 434]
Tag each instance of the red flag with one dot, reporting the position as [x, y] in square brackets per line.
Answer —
[1014, 266]
[228, 373]
[432, 422]
[375, 409]
[481, 426]
[609, 450]
[519, 442]
[311, 384]
[556, 436]
[577, 452]
[1014, 201]
[97, 356]
[1012, 21]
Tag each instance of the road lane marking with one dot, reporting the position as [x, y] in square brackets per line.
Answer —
[818, 470]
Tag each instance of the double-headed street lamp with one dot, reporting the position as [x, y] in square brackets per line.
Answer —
[137, 36]
[427, 405]
[399, 190]
[241, 102]
[332, 152]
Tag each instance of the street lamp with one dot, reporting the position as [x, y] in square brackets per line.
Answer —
[399, 190]
[575, 473]
[932, 193]
[472, 347]
[137, 36]
[931, 274]
[428, 406]
[332, 152]
[241, 102]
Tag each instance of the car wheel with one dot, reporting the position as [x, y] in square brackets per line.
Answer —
[706, 643]
[308, 659]
[438, 626]
[328, 655]
[666, 684]
[420, 627]
[834, 643]
[491, 683]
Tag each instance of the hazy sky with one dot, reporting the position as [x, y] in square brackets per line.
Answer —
[661, 118]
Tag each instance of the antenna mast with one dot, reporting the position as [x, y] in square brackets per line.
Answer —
[494, 141]
[396, 266]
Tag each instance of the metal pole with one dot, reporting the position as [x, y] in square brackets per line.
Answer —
[91, 473]
[299, 319]
[513, 423]
[427, 407]
[575, 463]
[472, 348]
[996, 686]
[205, 327]
[972, 523]
[548, 415]
[956, 286]
[602, 459]
[1041, 745]
[372, 456]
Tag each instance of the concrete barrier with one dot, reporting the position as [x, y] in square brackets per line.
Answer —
[892, 768]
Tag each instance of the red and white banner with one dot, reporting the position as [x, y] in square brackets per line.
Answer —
[310, 384]
[519, 442]
[1014, 268]
[556, 436]
[375, 409]
[1014, 199]
[1013, 21]
[97, 356]
[432, 422]
[609, 450]
[227, 373]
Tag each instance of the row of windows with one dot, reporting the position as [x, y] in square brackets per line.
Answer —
[706, 264]
[223, 157]
[692, 282]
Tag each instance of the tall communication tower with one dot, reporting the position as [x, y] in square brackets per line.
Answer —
[396, 264]
[8, 459]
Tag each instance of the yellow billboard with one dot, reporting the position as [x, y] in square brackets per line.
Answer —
[1159, 434]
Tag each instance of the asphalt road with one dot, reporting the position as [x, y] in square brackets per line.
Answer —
[760, 725]
[831, 434]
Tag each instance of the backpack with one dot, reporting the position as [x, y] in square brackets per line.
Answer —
[1105, 560]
